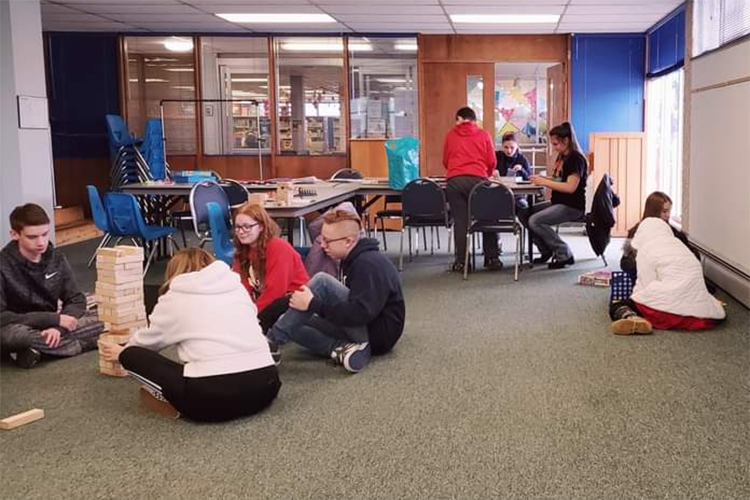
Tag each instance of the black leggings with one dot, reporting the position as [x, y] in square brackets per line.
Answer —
[206, 399]
[273, 311]
[622, 309]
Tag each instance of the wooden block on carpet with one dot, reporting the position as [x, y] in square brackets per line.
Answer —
[21, 419]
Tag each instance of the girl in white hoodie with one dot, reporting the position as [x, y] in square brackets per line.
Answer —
[208, 315]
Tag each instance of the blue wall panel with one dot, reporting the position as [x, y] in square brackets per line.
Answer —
[83, 86]
[666, 43]
[607, 81]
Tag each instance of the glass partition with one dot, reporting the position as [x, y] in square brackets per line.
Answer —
[475, 96]
[521, 101]
[383, 83]
[310, 74]
[235, 69]
[162, 68]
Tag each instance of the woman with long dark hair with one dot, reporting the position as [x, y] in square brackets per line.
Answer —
[568, 202]
[203, 311]
[269, 267]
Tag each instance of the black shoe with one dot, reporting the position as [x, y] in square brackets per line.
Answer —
[458, 267]
[493, 264]
[559, 264]
[26, 358]
[542, 259]
[275, 352]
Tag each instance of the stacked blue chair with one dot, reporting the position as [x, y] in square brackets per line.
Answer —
[152, 149]
[100, 219]
[126, 221]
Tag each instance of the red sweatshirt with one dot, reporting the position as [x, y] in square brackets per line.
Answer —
[468, 150]
[285, 272]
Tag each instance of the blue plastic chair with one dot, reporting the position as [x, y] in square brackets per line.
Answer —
[152, 149]
[200, 195]
[221, 237]
[118, 134]
[100, 219]
[126, 221]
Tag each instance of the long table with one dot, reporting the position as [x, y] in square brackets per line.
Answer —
[327, 194]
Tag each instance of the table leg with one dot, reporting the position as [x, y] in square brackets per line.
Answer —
[530, 240]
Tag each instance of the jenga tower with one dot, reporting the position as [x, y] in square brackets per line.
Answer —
[284, 193]
[119, 298]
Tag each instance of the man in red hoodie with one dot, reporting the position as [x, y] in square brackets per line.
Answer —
[469, 158]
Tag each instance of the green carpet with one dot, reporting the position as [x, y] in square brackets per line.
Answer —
[496, 390]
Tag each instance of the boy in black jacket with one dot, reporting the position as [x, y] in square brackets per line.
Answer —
[346, 322]
[33, 278]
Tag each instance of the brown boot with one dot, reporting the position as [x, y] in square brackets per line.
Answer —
[632, 325]
[160, 406]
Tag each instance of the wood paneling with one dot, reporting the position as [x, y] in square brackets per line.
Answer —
[493, 48]
[301, 166]
[237, 167]
[443, 93]
[368, 156]
[623, 156]
[72, 175]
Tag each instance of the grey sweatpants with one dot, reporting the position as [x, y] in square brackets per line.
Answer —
[16, 337]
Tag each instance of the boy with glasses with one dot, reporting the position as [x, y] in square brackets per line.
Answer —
[34, 277]
[351, 321]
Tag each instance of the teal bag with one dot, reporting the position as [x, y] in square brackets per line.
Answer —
[403, 161]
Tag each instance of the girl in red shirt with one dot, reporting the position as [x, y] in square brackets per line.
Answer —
[269, 267]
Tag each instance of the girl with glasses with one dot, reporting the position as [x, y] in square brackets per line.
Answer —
[269, 267]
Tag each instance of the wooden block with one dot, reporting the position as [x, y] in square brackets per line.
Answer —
[138, 266]
[120, 251]
[118, 287]
[21, 419]
[112, 372]
[119, 278]
[114, 338]
[125, 259]
[127, 327]
[161, 407]
[120, 300]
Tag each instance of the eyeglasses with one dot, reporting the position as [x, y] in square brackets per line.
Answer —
[325, 241]
[245, 228]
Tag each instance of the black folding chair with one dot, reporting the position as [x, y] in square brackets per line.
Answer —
[235, 191]
[346, 173]
[492, 208]
[423, 205]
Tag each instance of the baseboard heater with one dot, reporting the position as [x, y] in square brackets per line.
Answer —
[726, 276]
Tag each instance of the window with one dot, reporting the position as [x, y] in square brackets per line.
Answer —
[475, 96]
[309, 81]
[521, 102]
[162, 68]
[235, 72]
[717, 22]
[664, 132]
[383, 83]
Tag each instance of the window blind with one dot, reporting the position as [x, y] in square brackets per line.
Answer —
[717, 22]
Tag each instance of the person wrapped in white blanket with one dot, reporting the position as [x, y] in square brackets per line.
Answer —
[670, 291]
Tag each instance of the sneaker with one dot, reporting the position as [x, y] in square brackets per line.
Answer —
[26, 358]
[632, 325]
[458, 267]
[354, 357]
[493, 264]
[559, 264]
[275, 352]
[542, 259]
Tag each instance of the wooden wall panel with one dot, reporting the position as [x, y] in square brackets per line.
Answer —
[623, 157]
[444, 92]
[368, 156]
[494, 48]
[301, 166]
[237, 167]
[72, 175]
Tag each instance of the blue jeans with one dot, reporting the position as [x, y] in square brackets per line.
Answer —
[312, 331]
[541, 224]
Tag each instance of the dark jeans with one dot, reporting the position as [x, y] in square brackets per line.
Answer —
[206, 399]
[540, 221]
[458, 192]
[623, 309]
[16, 337]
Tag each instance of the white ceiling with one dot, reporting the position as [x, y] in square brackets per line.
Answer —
[364, 16]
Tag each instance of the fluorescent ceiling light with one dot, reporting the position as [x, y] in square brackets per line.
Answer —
[180, 70]
[250, 80]
[409, 47]
[183, 87]
[391, 80]
[325, 47]
[277, 18]
[177, 44]
[505, 18]
[156, 80]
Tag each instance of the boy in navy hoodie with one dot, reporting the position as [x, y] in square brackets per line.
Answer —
[351, 321]
[33, 279]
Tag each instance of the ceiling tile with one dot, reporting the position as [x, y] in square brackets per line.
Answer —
[260, 9]
[188, 27]
[488, 9]
[377, 9]
[385, 19]
[505, 3]
[673, 3]
[602, 18]
[398, 27]
[138, 9]
[169, 18]
[247, 2]
[659, 8]
[124, 2]
[76, 17]
[51, 8]
[379, 2]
